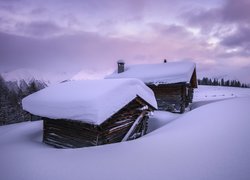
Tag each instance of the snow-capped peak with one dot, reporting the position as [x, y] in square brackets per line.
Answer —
[23, 74]
[89, 74]
[29, 75]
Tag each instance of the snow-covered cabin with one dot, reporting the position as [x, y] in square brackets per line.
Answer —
[172, 82]
[92, 112]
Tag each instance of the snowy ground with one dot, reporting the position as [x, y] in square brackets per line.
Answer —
[208, 94]
[209, 142]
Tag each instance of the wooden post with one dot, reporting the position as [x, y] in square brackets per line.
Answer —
[137, 121]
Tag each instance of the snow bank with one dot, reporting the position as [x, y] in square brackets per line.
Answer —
[160, 118]
[91, 101]
[211, 142]
[210, 93]
[171, 72]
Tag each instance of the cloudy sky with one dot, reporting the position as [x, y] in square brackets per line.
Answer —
[92, 35]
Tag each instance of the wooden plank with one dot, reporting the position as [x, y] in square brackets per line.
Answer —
[132, 128]
[72, 134]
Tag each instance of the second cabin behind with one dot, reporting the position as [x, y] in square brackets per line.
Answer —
[172, 82]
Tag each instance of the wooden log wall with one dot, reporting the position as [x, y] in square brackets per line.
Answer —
[63, 133]
[173, 98]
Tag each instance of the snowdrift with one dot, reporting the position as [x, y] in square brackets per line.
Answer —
[210, 142]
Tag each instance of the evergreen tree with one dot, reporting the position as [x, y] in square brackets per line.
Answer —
[222, 82]
[32, 87]
[239, 84]
[210, 82]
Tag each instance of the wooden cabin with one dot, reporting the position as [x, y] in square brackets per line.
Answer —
[89, 113]
[173, 83]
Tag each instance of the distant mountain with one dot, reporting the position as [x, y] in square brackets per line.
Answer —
[31, 74]
[26, 75]
[22, 78]
[87, 75]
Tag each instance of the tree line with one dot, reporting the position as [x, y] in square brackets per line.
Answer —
[222, 82]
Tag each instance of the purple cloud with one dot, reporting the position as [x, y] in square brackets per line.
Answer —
[91, 50]
[94, 34]
[170, 30]
[236, 11]
[39, 28]
[229, 23]
[232, 11]
[240, 38]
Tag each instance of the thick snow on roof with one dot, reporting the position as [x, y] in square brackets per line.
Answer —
[164, 73]
[91, 101]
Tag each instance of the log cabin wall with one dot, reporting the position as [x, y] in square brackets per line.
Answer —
[74, 134]
[63, 133]
[115, 128]
[173, 97]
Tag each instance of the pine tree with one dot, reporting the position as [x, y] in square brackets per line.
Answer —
[222, 82]
[32, 87]
[210, 82]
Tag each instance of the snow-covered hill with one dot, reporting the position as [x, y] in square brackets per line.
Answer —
[210, 142]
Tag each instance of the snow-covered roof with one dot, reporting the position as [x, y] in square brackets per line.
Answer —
[90, 101]
[164, 73]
